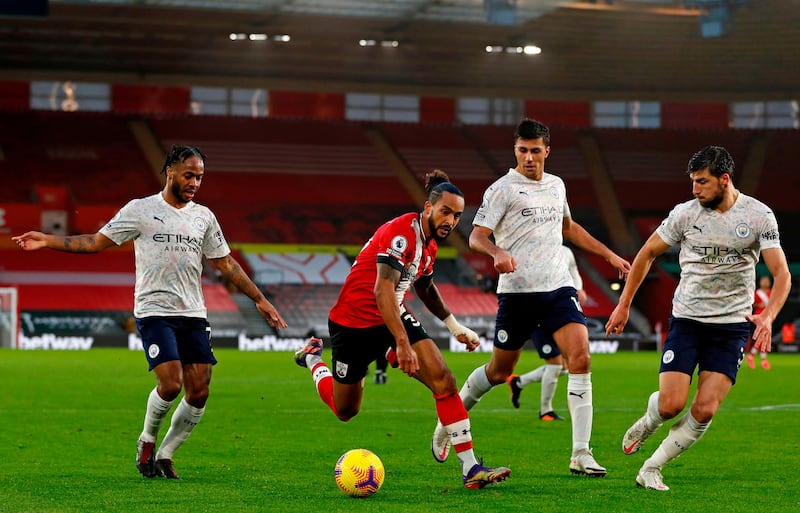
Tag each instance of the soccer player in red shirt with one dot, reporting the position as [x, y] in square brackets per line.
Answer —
[369, 319]
[760, 301]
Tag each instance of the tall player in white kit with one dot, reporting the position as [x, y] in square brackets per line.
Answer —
[721, 233]
[527, 212]
[171, 235]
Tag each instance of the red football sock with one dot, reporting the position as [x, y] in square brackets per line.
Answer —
[455, 419]
[323, 380]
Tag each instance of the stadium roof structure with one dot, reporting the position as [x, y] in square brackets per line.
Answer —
[701, 50]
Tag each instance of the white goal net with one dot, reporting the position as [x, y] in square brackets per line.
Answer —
[9, 316]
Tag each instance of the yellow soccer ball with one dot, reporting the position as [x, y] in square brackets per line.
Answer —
[359, 473]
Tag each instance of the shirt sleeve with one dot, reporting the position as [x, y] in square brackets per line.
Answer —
[214, 243]
[393, 245]
[671, 229]
[492, 208]
[125, 225]
[769, 237]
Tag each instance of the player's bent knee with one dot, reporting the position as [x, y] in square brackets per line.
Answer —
[198, 400]
[704, 412]
[670, 410]
[581, 360]
[169, 391]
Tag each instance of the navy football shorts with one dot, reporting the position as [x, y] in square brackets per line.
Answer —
[709, 347]
[520, 315]
[353, 349]
[166, 339]
[545, 346]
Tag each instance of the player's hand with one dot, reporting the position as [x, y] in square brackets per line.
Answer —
[463, 334]
[622, 266]
[617, 321]
[762, 334]
[470, 339]
[270, 314]
[407, 359]
[504, 262]
[30, 241]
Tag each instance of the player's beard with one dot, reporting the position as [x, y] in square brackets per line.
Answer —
[715, 201]
[178, 193]
[435, 232]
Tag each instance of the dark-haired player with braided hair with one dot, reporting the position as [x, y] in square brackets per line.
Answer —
[171, 235]
[370, 319]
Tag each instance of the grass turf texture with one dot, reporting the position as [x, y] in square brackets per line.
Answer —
[69, 423]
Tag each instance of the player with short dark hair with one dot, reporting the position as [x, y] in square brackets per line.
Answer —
[171, 235]
[369, 319]
[527, 213]
[721, 233]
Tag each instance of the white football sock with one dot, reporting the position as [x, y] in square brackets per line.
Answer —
[682, 435]
[549, 384]
[157, 409]
[579, 400]
[461, 436]
[475, 387]
[312, 360]
[185, 418]
[533, 376]
[653, 418]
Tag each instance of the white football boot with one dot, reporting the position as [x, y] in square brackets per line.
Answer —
[650, 479]
[635, 436]
[440, 443]
[584, 463]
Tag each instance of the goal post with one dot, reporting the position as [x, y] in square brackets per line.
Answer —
[9, 317]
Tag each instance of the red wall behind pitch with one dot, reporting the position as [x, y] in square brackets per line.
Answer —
[694, 115]
[437, 109]
[306, 105]
[560, 113]
[15, 95]
[150, 99]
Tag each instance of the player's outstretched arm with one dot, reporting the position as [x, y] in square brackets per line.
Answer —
[89, 243]
[233, 272]
[578, 235]
[641, 266]
[775, 259]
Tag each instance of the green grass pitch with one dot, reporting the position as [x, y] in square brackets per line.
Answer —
[69, 423]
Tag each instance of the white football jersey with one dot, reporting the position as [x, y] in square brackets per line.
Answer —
[718, 257]
[526, 217]
[169, 244]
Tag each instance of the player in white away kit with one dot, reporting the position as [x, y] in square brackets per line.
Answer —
[721, 233]
[171, 236]
[555, 365]
[528, 214]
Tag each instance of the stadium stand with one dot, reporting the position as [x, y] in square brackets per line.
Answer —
[648, 167]
[93, 155]
[301, 177]
[304, 307]
[425, 147]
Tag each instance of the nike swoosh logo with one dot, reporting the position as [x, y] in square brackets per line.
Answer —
[629, 449]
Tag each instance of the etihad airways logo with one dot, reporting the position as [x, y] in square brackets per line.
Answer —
[175, 238]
